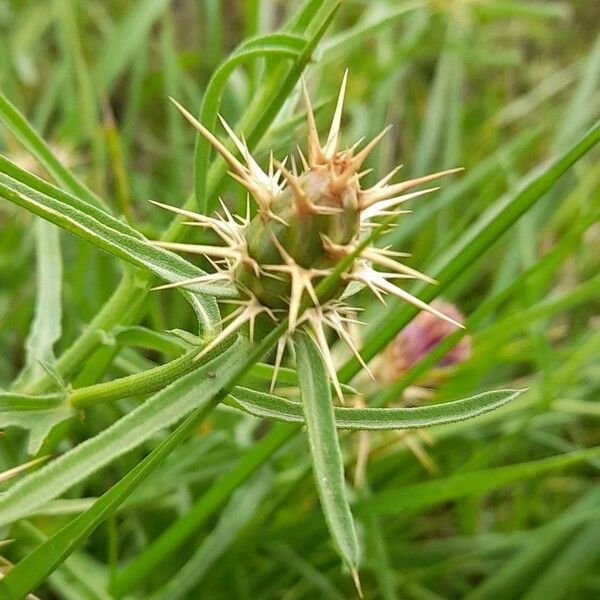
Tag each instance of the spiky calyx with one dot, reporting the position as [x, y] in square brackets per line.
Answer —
[305, 224]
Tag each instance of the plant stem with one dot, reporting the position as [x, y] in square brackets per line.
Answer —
[137, 384]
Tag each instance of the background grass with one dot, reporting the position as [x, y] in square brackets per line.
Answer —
[508, 507]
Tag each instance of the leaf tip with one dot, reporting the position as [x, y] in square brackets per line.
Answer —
[356, 580]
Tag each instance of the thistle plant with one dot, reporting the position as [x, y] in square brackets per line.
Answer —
[213, 460]
[307, 221]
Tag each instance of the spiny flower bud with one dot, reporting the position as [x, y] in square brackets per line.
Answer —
[305, 224]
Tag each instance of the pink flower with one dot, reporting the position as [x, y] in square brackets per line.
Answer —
[420, 336]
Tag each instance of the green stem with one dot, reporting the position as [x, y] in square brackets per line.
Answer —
[146, 382]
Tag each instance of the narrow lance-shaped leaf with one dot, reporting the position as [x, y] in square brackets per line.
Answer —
[32, 181]
[136, 251]
[46, 326]
[37, 415]
[269, 406]
[133, 250]
[325, 449]
[158, 412]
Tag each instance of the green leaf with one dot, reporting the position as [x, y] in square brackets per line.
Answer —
[170, 541]
[79, 577]
[325, 449]
[85, 112]
[483, 173]
[125, 39]
[37, 565]
[318, 581]
[269, 406]
[436, 120]
[138, 426]
[38, 424]
[71, 198]
[142, 337]
[383, 567]
[526, 567]
[134, 250]
[582, 108]
[557, 303]
[37, 415]
[365, 29]
[573, 561]
[46, 327]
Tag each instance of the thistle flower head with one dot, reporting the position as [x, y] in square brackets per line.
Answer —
[306, 222]
[421, 335]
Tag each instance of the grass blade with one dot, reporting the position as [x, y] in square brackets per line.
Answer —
[571, 563]
[187, 525]
[125, 39]
[512, 579]
[240, 510]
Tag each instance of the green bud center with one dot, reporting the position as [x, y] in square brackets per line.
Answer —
[301, 233]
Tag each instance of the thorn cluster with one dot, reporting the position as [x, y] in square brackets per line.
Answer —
[306, 222]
